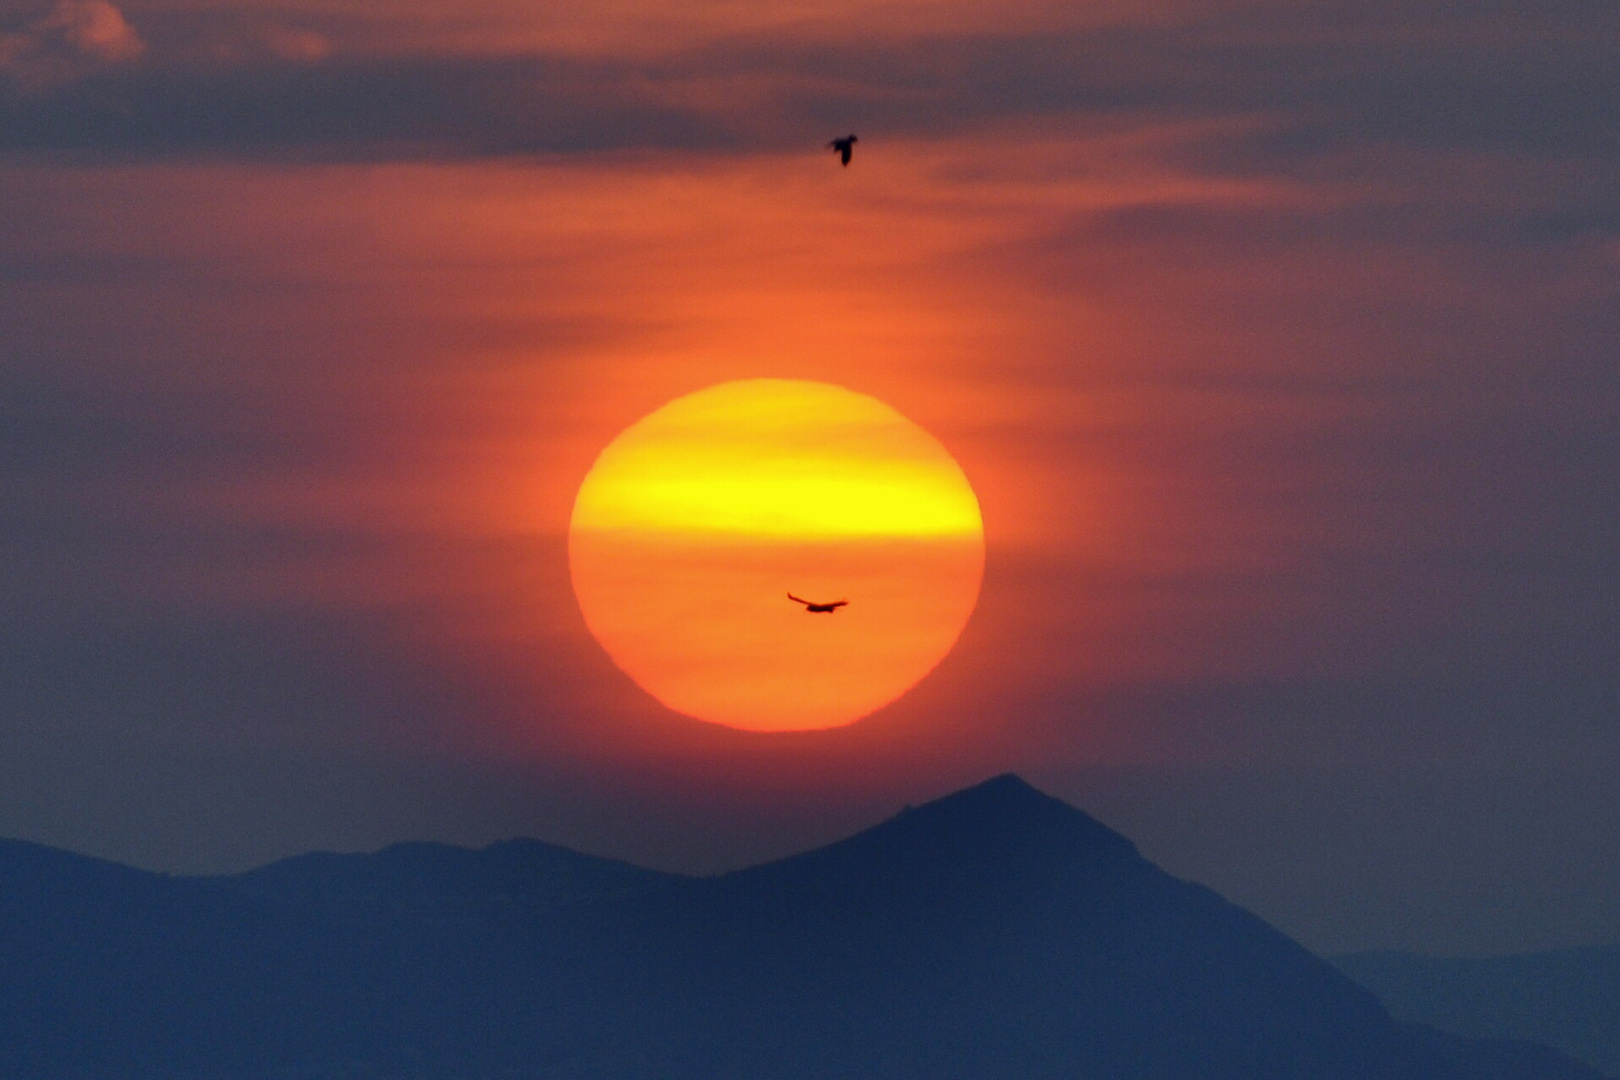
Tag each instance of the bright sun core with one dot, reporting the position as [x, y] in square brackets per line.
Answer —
[698, 521]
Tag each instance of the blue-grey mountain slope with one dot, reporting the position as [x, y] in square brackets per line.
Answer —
[424, 879]
[996, 934]
[1569, 999]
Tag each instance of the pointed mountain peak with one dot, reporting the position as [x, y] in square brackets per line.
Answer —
[1007, 810]
[998, 825]
[1007, 790]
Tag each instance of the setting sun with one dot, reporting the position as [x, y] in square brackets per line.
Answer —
[698, 521]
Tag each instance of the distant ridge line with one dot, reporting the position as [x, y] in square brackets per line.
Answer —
[995, 933]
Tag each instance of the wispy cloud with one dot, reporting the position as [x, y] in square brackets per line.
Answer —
[1306, 88]
[74, 39]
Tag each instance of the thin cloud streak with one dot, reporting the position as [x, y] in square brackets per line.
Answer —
[1305, 88]
[74, 39]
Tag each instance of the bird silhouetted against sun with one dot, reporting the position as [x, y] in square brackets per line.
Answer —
[696, 520]
[844, 148]
[813, 608]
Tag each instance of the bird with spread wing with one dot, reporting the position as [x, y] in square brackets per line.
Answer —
[815, 608]
[844, 148]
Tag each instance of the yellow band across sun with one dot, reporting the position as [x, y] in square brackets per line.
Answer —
[778, 459]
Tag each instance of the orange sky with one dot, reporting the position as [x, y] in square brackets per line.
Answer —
[483, 329]
[1276, 342]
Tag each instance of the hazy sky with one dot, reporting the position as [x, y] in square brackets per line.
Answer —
[1277, 339]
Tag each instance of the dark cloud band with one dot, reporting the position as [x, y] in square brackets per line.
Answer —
[1551, 88]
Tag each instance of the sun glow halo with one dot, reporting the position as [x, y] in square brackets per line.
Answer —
[694, 524]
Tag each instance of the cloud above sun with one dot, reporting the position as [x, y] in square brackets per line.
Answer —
[1243, 87]
[72, 40]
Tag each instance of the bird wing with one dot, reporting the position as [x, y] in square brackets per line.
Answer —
[797, 600]
[838, 603]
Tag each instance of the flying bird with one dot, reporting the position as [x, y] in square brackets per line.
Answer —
[826, 608]
[844, 147]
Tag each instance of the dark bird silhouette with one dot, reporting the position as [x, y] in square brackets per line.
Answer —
[819, 608]
[844, 147]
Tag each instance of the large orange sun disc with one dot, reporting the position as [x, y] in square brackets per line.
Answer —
[695, 524]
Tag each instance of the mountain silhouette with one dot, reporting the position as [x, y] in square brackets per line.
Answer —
[440, 880]
[993, 934]
[1568, 998]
